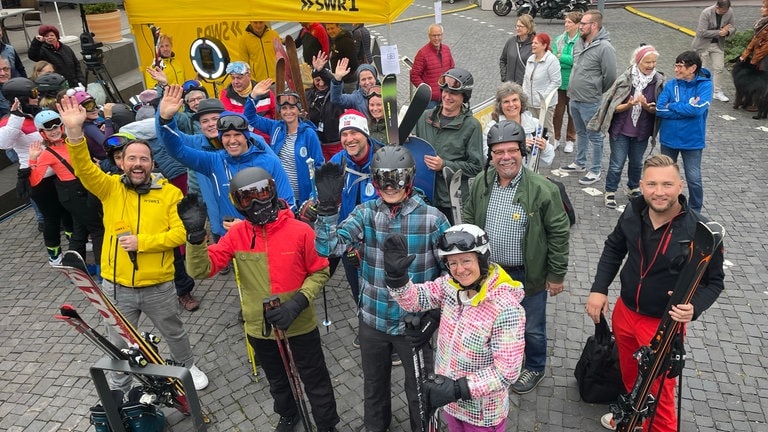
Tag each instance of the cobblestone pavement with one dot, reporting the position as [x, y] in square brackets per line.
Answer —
[44, 378]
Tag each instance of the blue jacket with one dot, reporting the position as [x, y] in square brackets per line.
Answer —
[684, 122]
[219, 167]
[358, 185]
[307, 144]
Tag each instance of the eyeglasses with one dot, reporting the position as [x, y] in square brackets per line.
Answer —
[262, 192]
[460, 240]
[89, 105]
[194, 99]
[5, 69]
[231, 122]
[504, 152]
[436, 35]
[374, 91]
[682, 65]
[118, 141]
[585, 23]
[51, 125]
[398, 178]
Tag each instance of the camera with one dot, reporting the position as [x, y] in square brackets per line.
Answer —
[92, 54]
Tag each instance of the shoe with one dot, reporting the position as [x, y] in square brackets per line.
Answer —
[198, 377]
[225, 270]
[569, 145]
[527, 382]
[634, 193]
[589, 178]
[396, 359]
[607, 421]
[288, 424]
[189, 302]
[356, 342]
[573, 167]
[54, 261]
[720, 96]
[752, 108]
[610, 200]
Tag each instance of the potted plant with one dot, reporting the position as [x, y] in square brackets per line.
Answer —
[103, 21]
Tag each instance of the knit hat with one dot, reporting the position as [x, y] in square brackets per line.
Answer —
[47, 28]
[367, 67]
[639, 54]
[238, 67]
[353, 119]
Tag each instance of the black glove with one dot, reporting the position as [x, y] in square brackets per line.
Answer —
[440, 390]
[396, 260]
[193, 213]
[282, 316]
[329, 180]
[308, 212]
[419, 328]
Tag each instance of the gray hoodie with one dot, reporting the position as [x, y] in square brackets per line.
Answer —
[594, 69]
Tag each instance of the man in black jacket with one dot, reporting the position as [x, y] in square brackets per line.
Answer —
[343, 46]
[649, 233]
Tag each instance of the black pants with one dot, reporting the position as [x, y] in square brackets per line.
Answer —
[54, 214]
[310, 362]
[350, 271]
[86, 217]
[184, 283]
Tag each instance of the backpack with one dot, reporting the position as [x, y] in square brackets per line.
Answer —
[566, 200]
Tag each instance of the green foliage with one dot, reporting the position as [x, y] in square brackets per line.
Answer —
[99, 8]
[736, 44]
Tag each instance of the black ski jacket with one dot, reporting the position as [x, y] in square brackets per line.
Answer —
[647, 294]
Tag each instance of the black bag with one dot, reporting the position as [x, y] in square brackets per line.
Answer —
[597, 372]
[566, 201]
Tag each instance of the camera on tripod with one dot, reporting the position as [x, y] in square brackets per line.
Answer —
[92, 54]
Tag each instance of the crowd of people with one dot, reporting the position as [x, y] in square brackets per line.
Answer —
[252, 180]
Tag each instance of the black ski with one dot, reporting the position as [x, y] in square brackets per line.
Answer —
[389, 98]
[654, 360]
[416, 108]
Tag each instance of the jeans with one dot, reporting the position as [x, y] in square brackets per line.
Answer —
[535, 331]
[582, 113]
[692, 167]
[159, 303]
[622, 147]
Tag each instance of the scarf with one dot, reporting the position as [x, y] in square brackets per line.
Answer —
[639, 82]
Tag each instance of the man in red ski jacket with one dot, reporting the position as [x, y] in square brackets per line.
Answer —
[432, 60]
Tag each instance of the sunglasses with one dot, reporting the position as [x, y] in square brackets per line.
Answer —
[460, 240]
[89, 105]
[52, 124]
[231, 122]
[398, 178]
[261, 192]
[118, 141]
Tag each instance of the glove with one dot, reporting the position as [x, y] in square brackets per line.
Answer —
[329, 181]
[193, 213]
[396, 260]
[419, 328]
[308, 212]
[440, 390]
[283, 316]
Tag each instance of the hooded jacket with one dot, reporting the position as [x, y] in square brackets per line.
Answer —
[358, 185]
[594, 68]
[683, 107]
[259, 52]
[323, 113]
[9, 53]
[355, 100]
[278, 258]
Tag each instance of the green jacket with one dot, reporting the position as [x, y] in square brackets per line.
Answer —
[459, 144]
[545, 244]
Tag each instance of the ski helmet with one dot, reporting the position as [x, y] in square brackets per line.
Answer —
[47, 120]
[506, 131]
[82, 96]
[254, 194]
[465, 238]
[463, 82]
[22, 88]
[122, 115]
[50, 84]
[393, 166]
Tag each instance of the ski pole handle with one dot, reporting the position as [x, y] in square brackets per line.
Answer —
[266, 328]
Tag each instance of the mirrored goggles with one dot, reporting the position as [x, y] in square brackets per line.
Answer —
[52, 124]
[261, 192]
[398, 178]
[231, 122]
[33, 94]
[89, 105]
[118, 141]
[190, 84]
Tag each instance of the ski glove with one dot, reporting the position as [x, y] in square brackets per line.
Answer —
[329, 180]
[420, 327]
[193, 213]
[308, 212]
[284, 315]
[396, 260]
[440, 390]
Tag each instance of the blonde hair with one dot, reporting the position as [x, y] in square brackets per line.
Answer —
[660, 161]
[527, 21]
[37, 68]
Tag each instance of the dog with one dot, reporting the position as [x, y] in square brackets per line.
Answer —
[751, 87]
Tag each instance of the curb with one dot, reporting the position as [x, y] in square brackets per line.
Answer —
[664, 22]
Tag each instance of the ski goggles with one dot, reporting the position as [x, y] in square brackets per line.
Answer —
[261, 192]
[33, 93]
[452, 84]
[89, 105]
[52, 124]
[374, 91]
[231, 122]
[118, 141]
[460, 240]
[190, 84]
[290, 100]
[398, 178]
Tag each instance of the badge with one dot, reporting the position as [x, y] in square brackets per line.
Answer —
[303, 152]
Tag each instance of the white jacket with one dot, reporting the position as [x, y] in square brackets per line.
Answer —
[541, 78]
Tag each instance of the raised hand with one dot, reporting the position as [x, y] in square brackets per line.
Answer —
[35, 149]
[396, 260]
[262, 88]
[319, 61]
[193, 213]
[342, 69]
[329, 180]
[158, 75]
[72, 115]
[171, 102]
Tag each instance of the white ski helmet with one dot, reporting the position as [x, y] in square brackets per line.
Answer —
[464, 238]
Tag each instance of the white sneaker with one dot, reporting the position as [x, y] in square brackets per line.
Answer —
[590, 178]
[198, 377]
[720, 96]
[54, 261]
[607, 421]
[568, 147]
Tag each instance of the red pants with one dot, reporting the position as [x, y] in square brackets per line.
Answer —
[632, 331]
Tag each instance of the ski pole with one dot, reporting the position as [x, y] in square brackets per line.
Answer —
[290, 368]
[418, 360]
[326, 322]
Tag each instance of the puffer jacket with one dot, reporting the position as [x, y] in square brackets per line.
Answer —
[429, 64]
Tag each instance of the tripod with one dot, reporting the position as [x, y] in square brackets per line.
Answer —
[93, 57]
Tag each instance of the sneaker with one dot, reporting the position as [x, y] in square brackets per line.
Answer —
[634, 193]
[610, 200]
[527, 382]
[569, 145]
[607, 421]
[396, 359]
[225, 270]
[720, 96]
[590, 178]
[189, 302]
[198, 377]
[573, 167]
[356, 342]
[288, 424]
[54, 261]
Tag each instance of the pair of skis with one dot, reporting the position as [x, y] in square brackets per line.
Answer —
[288, 71]
[656, 360]
[541, 131]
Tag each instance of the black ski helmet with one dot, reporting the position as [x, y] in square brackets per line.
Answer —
[22, 88]
[121, 116]
[393, 166]
[464, 83]
[254, 194]
[50, 84]
[506, 131]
